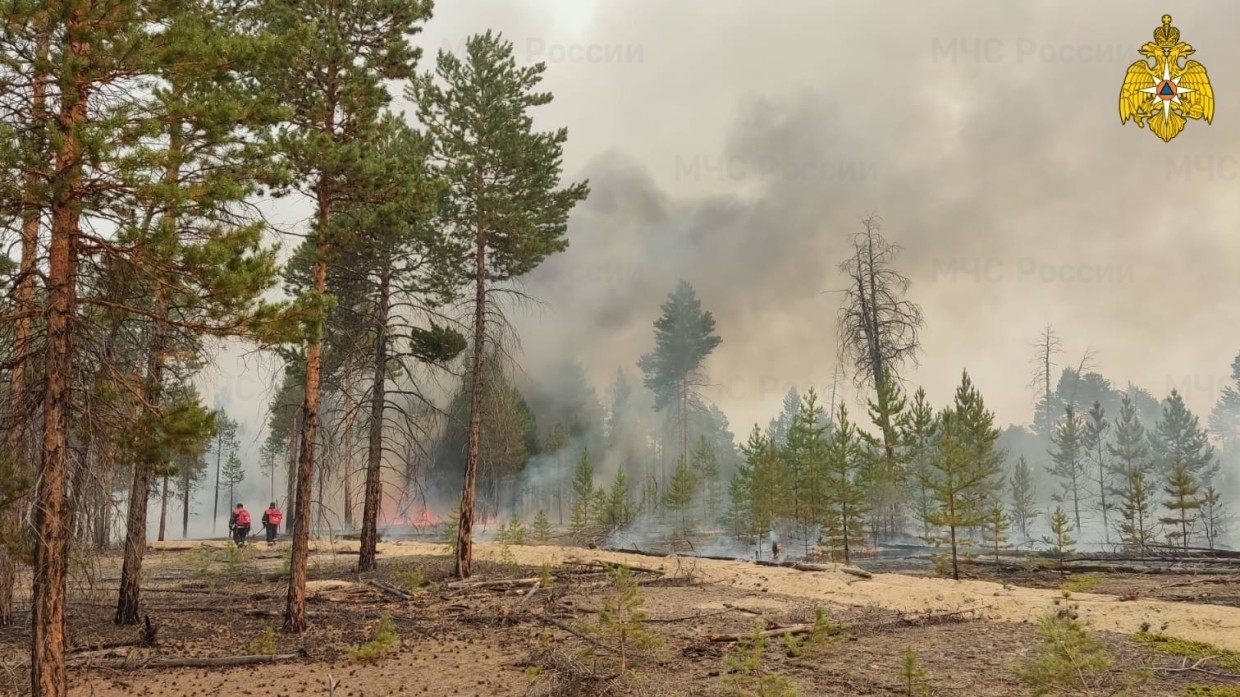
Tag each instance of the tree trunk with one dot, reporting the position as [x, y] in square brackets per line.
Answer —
[295, 611]
[219, 457]
[185, 497]
[464, 537]
[163, 510]
[51, 551]
[128, 602]
[17, 445]
[374, 451]
[346, 462]
[293, 454]
[103, 525]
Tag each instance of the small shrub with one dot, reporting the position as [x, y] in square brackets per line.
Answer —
[622, 617]
[383, 641]
[410, 579]
[913, 678]
[1069, 659]
[546, 574]
[743, 665]
[265, 644]
[542, 527]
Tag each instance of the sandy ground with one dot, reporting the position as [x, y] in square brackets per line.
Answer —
[1214, 624]
[455, 645]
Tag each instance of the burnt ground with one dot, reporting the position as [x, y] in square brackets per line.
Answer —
[495, 641]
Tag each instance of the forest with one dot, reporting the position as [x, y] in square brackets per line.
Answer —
[142, 146]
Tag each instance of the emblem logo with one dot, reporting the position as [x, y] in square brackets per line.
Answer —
[1164, 93]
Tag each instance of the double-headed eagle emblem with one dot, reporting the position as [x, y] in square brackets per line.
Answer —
[1164, 93]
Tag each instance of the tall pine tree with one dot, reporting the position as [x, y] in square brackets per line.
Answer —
[505, 211]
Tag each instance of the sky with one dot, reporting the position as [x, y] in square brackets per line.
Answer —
[737, 145]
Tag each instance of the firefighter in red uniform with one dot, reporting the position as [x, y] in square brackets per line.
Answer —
[239, 524]
[271, 521]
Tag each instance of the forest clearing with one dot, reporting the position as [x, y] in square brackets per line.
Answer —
[283, 254]
[527, 620]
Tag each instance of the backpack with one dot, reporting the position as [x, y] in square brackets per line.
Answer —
[243, 518]
[274, 517]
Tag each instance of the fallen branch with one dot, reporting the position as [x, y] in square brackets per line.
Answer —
[738, 608]
[107, 645]
[778, 631]
[391, 590]
[529, 595]
[1196, 667]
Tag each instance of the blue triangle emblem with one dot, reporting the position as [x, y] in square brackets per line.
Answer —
[1166, 90]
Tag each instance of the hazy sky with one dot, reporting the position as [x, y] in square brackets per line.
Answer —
[737, 145]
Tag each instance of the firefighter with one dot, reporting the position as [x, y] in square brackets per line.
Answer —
[775, 548]
[239, 525]
[271, 522]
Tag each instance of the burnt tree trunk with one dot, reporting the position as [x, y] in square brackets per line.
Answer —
[129, 599]
[374, 451]
[295, 611]
[464, 536]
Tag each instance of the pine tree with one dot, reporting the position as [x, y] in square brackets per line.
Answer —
[1214, 516]
[1179, 438]
[679, 497]
[706, 472]
[996, 523]
[778, 429]
[329, 64]
[804, 459]
[542, 527]
[1136, 508]
[919, 440]
[1060, 540]
[234, 474]
[504, 212]
[620, 504]
[1131, 448]
[1069, 461]
[1023, 499]
[583, 492]
[964, 468]
[684, 337]
[223, 445]
[847, 475]
[1184, 504]
[889, 490]
[1094, 443]
[739, 516]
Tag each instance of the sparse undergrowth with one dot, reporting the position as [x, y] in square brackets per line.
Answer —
[745, 676]
[1070, 661]
[1193, 650]
[1212, 691]
[382, 642]
[1082, 583]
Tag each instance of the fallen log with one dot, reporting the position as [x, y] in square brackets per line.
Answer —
[197, 662]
